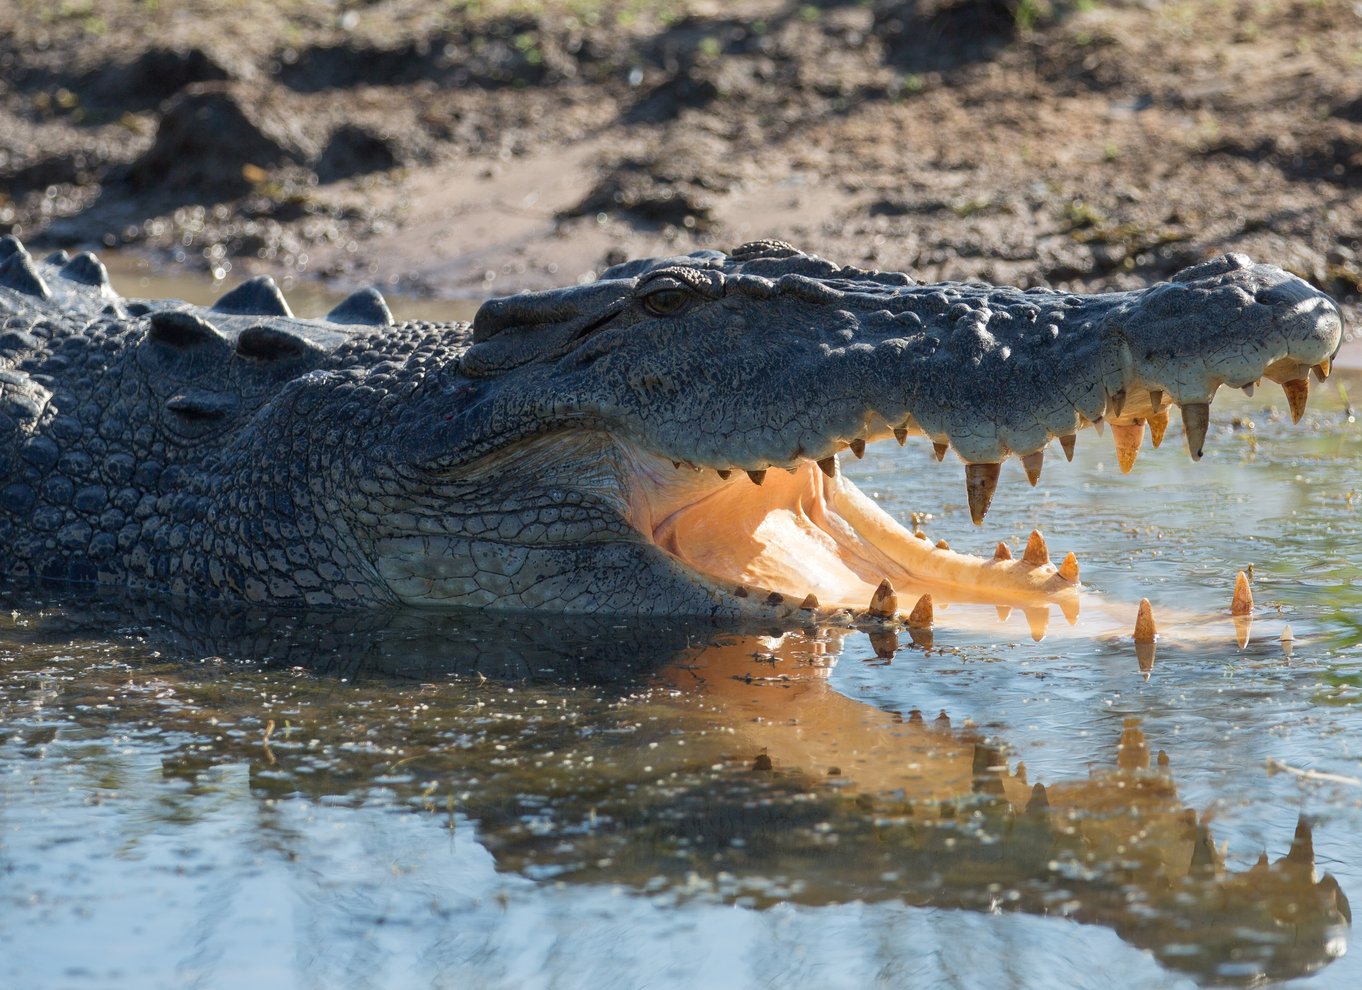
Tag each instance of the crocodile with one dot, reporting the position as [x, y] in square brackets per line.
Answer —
[661, 440]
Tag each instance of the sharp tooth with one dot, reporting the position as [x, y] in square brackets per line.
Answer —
[940, 450]
[810, 602]
[1099, 424]
[1158, 422]
[1069, 569]
[1196, 417]
[1243, 596]
[1127, 437]
[724, 473]
[1039, 621]
[884, 603]
[1069, 605]
[740, 591]
[757, 476]
[1037, 552]
[858, 448]
[1287, 636]
[1004, 611]
[981, 480]
[1297, 394]
[942, 545]
[1067, 442]
[1155, 399]
[1117, 402]
[1144, 623]
[921, 616]
[1323, 368]
[901, 435]
[828, 466]
[774, 598]
[677, 465]
[1248, 389]
[1031, 464]
[1002, 553]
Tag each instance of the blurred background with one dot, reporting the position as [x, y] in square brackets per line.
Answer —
[468, 148]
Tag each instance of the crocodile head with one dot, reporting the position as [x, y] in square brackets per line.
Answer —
[666, 437]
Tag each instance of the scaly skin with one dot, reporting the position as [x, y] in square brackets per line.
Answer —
[621, 446]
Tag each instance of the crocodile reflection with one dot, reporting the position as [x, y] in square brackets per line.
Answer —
[684, 758]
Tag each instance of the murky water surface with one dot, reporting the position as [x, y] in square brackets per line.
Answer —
[195, 799]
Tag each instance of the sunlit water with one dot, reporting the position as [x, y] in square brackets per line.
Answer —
[202, 800]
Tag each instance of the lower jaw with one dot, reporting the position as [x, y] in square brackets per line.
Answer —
[807, 534]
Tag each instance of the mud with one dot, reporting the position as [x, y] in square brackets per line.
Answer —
[479, 148]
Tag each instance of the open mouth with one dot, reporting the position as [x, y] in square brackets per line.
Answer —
[812, 538]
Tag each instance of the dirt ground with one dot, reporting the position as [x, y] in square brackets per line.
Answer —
[476, 148]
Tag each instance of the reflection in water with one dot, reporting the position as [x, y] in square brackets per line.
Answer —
[677, 760]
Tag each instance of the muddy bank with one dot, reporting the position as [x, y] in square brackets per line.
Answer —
[481, 148]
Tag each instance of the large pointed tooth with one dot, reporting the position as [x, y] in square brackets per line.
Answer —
[1068, 570]
[757, 476]
[1196, 417]
[1243, 596]
[1158, 423]
[1100, 425]
[1004, 612]
[1117, 402]
[1322, 369]
[1145, 631]
[940, 450]
[1297, 394]
[828, 465]
[1039, 621]
[1128, 437]
[1155, 399]
[1249, 389]
[858, 447]
[1037, 552]
[1002, 553]
[1067, 442]
[981, 480]
[1069, 605]
[1032, 464]
[901, 435]
[810, 603]
[921, 616]
[884, 603]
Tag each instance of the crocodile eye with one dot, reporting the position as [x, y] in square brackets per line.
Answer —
[667, 301]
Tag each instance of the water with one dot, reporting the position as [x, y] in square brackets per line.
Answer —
[399, 800]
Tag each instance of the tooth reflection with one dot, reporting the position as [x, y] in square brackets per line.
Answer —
[1039, 621]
